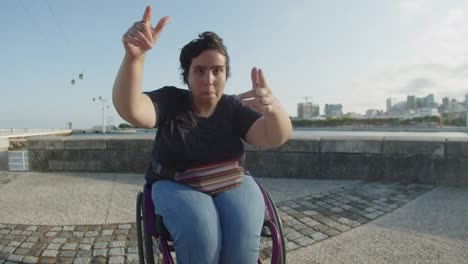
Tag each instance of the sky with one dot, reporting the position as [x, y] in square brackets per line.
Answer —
[355, 53]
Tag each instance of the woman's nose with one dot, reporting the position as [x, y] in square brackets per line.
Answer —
[208, 78]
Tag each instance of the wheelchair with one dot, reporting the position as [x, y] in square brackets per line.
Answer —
[155, 243]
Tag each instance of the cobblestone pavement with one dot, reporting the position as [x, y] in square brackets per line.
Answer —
[306, 220]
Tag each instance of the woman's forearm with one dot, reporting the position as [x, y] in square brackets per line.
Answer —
[129, 101]
[278, 126]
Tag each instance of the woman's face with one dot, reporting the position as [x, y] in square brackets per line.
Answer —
[207, 77]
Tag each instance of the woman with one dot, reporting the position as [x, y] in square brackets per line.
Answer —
[201, 126]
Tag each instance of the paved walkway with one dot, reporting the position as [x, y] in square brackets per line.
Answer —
[89, 218]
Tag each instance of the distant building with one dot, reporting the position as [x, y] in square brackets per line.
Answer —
[466, 101]
[374, 113]
[390, 103]
[419, 102]
[307, 110]
[353, 115]
[333, 110]
[455, 107]
[445, 101]
[411, 102]
[426, 111]
[428, 101]
[399, 109]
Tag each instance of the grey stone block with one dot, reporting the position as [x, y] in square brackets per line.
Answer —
[44, 143]
[457, 147]
[83, 144]
[130, 143]
[419, 169]
[456, 172]
[39, 159]
[4, 145]
[3, 160]
[414, 146]
[351, 166]
[283, 164]
[351, 144]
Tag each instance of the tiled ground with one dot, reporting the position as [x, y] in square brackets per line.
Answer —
[306, 220]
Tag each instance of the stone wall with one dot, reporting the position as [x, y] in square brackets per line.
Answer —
[416, 159]
[90, 154]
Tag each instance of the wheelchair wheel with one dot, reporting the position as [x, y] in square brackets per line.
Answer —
[147, 238]
[145, 241]
[277, 221]
[139, 230]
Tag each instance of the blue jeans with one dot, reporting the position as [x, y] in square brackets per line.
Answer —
[224, 228]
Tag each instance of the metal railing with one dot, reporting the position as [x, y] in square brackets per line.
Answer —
[20, 131]
[13, 131]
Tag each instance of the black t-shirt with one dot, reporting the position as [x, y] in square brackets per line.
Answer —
[187, 140]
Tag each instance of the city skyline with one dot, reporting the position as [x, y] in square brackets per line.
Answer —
[352, 53]
[306, 108]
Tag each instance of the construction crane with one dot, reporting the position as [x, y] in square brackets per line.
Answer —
[306, 98]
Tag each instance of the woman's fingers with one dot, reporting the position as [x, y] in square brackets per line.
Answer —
[261, 79]
[254, 78]
[263, 109]
[141, 37]
[147, 15]
[129, 38]
[156, 31]
[260, 97]
[259, 101]
[136, 32]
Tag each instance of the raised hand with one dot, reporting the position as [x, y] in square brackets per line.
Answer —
[260, 97]
[142, 37]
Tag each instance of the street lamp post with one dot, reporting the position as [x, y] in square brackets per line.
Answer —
[104, 107]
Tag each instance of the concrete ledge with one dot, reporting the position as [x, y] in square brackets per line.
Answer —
[414, 146]
[371, 145]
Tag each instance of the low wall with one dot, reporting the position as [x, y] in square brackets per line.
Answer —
[416, 159]
[90, 154]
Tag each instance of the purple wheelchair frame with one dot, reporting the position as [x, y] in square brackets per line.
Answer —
[149, 223]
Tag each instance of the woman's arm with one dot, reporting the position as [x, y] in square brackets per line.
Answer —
[274, 128]
[129, 101]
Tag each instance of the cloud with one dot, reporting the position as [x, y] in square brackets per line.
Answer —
[455, 15]
[438, 65]
[418, 85]
[410, 8]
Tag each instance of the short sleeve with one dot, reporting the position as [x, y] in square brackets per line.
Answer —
[244, 117]
[163, 99]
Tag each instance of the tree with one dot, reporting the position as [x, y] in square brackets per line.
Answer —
[125, 126]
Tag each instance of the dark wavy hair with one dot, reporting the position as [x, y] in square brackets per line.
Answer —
[205, 41]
